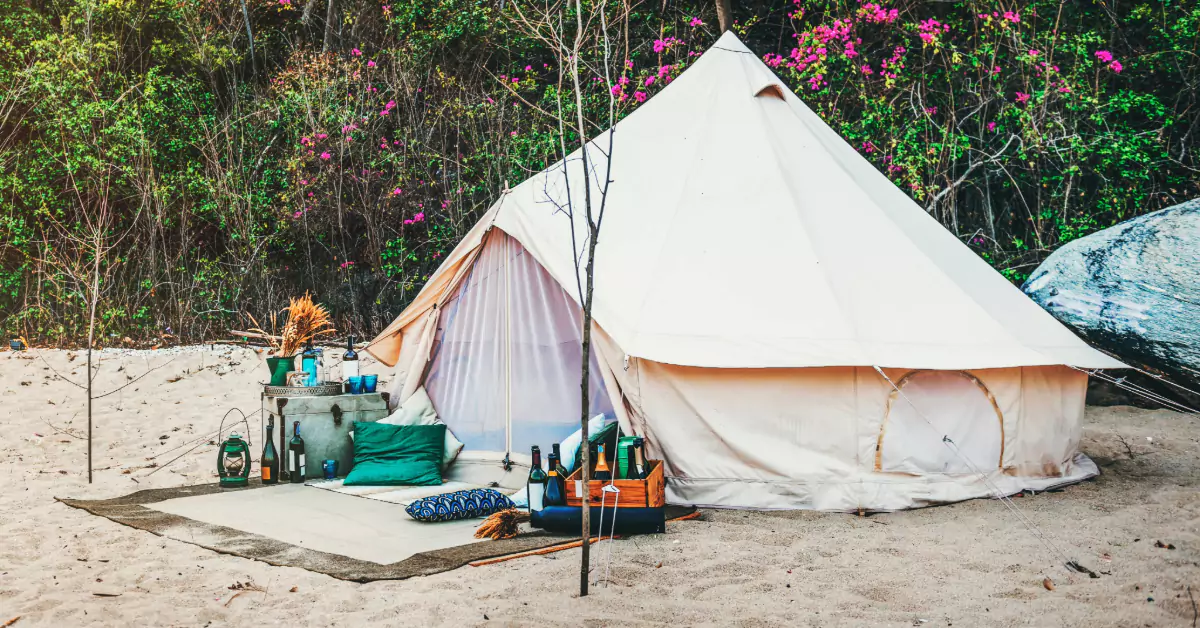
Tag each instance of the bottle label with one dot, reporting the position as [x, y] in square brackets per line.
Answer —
[537, 496]
[302, 467]
[266, 474]
[349, 369]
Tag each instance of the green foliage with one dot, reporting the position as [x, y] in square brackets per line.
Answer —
[224, 182]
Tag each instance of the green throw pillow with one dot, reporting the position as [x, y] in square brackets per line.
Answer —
[391, 455]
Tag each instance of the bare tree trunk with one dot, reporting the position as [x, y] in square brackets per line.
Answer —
[724, 15]
[94, 297]
[585, 401]
[249, 35]
[306, 16]
[330, 12]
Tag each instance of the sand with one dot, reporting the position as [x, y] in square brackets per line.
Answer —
[968, 564]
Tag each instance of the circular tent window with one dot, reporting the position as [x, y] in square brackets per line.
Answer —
[959, 406]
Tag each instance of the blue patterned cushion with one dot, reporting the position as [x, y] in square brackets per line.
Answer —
[476, 502]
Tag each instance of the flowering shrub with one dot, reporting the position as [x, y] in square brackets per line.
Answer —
[235, 178]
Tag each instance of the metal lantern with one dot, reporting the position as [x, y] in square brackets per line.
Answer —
[233, 462]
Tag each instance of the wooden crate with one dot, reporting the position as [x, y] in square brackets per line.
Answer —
[647, 493]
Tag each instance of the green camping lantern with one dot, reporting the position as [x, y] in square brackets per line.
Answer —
[233, 462]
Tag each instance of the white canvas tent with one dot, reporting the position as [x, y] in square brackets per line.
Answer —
[756, 279]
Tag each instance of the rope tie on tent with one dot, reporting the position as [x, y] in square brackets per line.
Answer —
[1068, 562]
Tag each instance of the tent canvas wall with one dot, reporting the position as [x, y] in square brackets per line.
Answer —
[786, 327]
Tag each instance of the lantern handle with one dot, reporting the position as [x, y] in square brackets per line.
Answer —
[245, 420]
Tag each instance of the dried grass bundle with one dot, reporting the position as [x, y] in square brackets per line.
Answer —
[502, 525]
[306, 321]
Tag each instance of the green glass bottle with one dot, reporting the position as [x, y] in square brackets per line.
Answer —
[537, 481]
[270, 456]
[562, 471]
[296, 467]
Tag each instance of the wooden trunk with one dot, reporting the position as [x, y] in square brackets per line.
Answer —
[647, 493]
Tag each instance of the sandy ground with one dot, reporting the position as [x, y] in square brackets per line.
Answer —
[970, 564]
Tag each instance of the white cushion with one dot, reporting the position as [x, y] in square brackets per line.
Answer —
[418, 410]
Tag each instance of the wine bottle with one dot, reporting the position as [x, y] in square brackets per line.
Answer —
[555, 492]
[270, 457]
[296, 468]
[639, 458]
[537, 481]
[562, 471]
[349, 364]
[602, 471]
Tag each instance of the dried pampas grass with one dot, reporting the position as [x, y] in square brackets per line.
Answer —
[502, 525]
[306, 321]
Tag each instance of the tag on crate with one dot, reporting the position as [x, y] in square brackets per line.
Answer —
[579, 489]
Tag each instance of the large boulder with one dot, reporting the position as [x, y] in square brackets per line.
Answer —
[1132, 290]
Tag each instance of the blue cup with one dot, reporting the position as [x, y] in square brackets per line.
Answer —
[356, 385]
[329, 468]
[370, 382]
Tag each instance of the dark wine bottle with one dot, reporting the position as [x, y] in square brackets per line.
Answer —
[296, 468]
[349, 364]
[270, 457]
[555, 492]
[602, 472]
[562, 471]
[537, 481]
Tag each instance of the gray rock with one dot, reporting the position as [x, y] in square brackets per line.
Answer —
[1132, 290]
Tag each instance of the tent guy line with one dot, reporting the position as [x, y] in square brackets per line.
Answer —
[1004, 499]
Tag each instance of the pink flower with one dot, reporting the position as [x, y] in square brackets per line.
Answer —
[696, 22]
[303, 181]
[649, 81]
[640, 96]
[356, 52]
[325, 155]
[931, 110]
[866, 69]
[1116, 66]
[1015, 18]
[370, 64]
[663, 44]
[321, 136]
[529, 68]
[629, 63]
[664, 71]
[286, 3]
[304, 141]
[516, 80]
[616, 90]
[1104, 56]
[397, 192]
[1022, 97]
[513, 134]
[991, 126]
[1034, 53]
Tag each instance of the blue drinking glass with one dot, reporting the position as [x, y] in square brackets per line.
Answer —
[330, 468]
[356, 385]
[370, 382]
